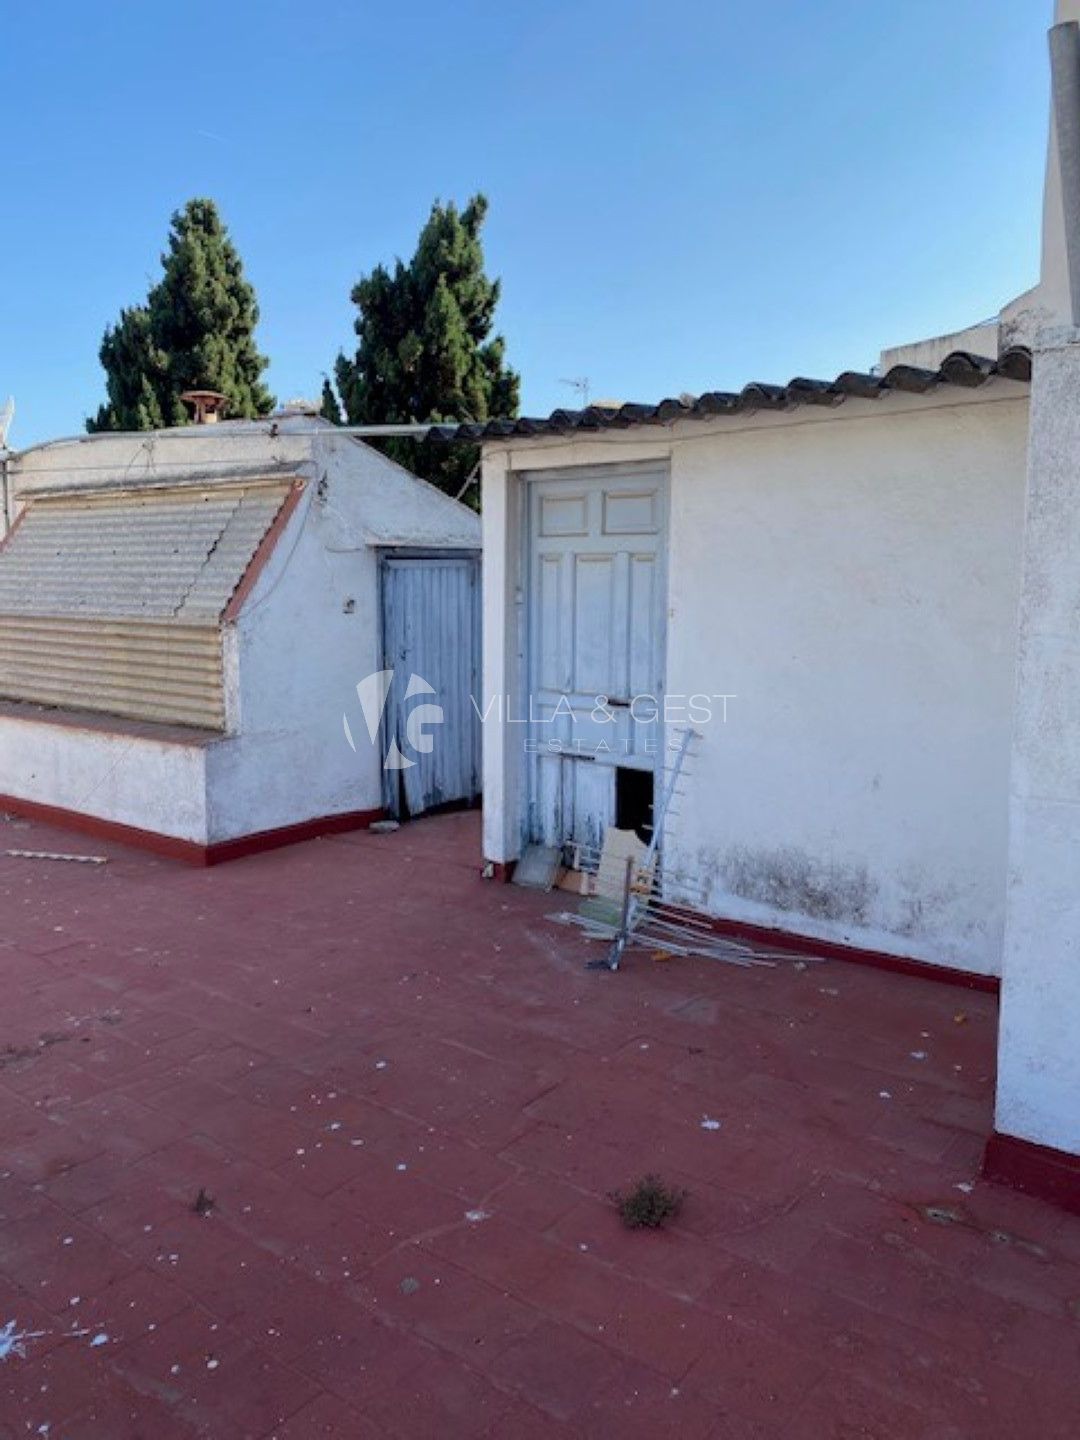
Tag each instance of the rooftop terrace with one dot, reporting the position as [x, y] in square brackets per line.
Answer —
[405, 1102]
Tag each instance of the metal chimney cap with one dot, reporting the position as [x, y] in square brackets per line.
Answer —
[208, 406]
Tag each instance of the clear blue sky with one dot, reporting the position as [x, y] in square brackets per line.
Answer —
[683, 196]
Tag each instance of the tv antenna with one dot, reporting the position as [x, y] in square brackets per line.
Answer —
[581, 386]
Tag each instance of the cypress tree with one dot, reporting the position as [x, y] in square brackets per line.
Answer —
[196, 330]
[426, 351]
[329, 409]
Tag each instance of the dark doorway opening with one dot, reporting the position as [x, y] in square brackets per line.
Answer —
[634, 801]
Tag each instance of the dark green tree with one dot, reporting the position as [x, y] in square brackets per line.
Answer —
[426, 351]
[329, 409]
[196, 331]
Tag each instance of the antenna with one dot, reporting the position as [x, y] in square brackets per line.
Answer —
[581, 385]
[7, 414]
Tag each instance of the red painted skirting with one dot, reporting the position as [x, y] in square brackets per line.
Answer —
[190, 851]
[1038, 1170]
[222, 850]
[833, 950]
[797, 944]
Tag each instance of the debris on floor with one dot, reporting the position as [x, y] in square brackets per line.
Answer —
[13, 1342]
[538, 867]
[57, 855]
[634, 900]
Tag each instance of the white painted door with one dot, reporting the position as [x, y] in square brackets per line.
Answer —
[595, 635]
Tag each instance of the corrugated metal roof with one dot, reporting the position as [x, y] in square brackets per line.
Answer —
[960, 368]
[112, 601]
[151, 554]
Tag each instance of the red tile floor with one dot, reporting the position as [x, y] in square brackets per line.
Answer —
[409, 1102]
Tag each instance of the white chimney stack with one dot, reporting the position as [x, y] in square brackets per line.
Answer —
[1050, 303]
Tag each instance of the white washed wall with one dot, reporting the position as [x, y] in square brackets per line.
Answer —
[149, 784]
[852, 577]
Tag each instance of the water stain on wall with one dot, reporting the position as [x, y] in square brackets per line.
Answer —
[788, 879]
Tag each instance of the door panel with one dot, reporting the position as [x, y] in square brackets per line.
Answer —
[595, 658]
[431, 643]
[595, 638]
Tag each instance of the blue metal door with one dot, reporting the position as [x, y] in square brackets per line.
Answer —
[431, 644]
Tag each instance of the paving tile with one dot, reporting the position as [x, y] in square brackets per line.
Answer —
[327, 1418]
[277, 1306]
[631, 1317]
[122, 1413]
[499, 1252]
[557, 1370]
[194, 1030]
[641, 1404]
[436, 1300]
[849, 1406]
[76, 1185]
[751, 1373]
[355, 1364]
[525, 1422]
[50, 1385]
[56, 1258]
[44, 1144]
[209, 1374]
[533, 1205]
[387, 1194]
[441, 1398]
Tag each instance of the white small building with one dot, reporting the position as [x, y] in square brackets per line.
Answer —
[185, 617]
[823, 579]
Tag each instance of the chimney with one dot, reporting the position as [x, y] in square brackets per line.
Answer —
[207, 406]
[1065, 74]
[1053, 301]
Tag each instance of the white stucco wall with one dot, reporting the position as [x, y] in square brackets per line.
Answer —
[981, 339]
[130, 780]
[1038, 1096]
[309, 632]
[852, 577]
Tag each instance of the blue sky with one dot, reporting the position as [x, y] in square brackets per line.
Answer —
[684, 196]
